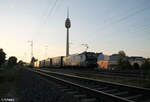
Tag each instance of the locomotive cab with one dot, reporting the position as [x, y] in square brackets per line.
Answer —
[91, 59]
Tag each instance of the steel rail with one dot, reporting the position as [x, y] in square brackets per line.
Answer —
[99, 95]
[138, 90]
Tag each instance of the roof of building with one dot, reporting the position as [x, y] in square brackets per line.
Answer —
[136, 58]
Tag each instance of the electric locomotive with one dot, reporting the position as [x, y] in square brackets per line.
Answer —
[85, 59]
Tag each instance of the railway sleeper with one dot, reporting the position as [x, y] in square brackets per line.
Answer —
[79, 97]
[75, 96]
[73, 92]
[111, 91]
[134, 97]
[61, 87]
[102, 88]
[96, 86]
[66, 90]
[89, 100]
[146, 100]
[121, 93]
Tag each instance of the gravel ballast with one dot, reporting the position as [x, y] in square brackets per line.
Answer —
[34, 88]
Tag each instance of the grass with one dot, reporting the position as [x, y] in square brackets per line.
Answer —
[8, 78]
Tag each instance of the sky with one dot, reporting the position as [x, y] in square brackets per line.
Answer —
[107, 26]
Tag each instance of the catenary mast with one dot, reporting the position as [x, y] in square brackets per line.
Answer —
[67, 25]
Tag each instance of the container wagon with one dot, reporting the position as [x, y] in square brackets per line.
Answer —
[57, 61]
[48, 62]
[42, 63]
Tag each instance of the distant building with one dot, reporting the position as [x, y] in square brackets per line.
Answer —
[107, 62]
[136, 60]
[110, 62]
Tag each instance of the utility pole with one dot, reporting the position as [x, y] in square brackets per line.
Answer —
[46, 48]
[67, 25]
[31, 44]
[24, 57]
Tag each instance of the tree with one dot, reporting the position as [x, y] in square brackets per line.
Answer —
[146, 68]
[12, 61]
[2, 57]
[146, 65]
[21, 63]
[136, 66]
[123, 62]
[122, 54]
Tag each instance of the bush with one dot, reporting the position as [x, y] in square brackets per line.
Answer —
[12, 61]
[136, 66]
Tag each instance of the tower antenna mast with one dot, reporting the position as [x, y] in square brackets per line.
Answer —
[67, 12]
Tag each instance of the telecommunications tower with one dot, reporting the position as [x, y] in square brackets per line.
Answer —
[67, 25]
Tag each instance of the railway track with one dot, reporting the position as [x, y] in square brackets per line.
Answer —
[136, 77]
[98, 91]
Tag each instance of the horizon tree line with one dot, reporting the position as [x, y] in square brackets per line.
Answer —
[11, 62]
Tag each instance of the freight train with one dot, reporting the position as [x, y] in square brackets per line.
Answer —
[85, 59]
[88, 59]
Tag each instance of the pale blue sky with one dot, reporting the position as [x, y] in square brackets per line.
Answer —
[105, 25]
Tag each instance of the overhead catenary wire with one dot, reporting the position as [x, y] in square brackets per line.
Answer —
[58, 5]
[137, 30]
[143, 28]
[127, 16]
[50, 10]
[44, 17]
[130, 15]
